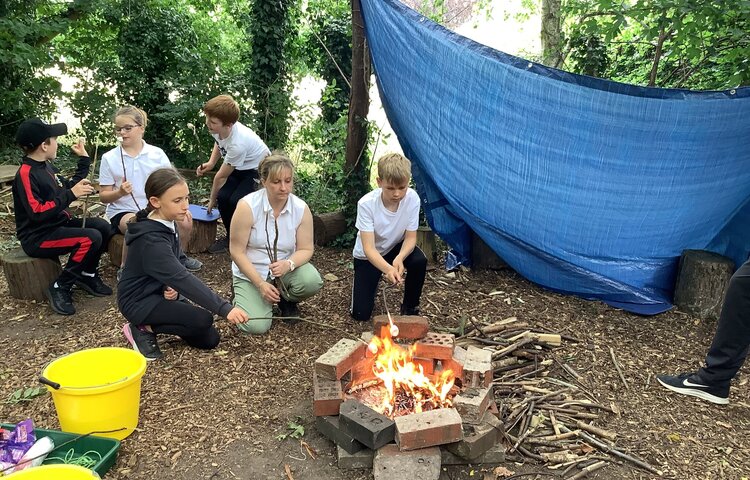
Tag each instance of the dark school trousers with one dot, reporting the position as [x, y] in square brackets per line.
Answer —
[85, 246]
[367, 277]
[193, 324]
[238, 184]
[732, 340]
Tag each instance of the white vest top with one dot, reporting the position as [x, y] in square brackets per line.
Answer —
[137, 171]
[262, 233]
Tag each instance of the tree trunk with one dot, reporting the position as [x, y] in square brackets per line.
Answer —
[483, 257]
[359, 105]
[702, 281]
[663, 35]
[29, 278]
[551, 34]
[114, 249]
[328, 226]
[202, 236]
[426, 243]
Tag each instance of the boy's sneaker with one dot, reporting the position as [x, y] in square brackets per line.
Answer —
[193, 264]
[289, 309]
[94, 285]
[692, 384]
[409, 310]
[142, 342]
[61, 300]
[219, 246]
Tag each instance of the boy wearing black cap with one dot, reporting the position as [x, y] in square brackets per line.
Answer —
[44, 226]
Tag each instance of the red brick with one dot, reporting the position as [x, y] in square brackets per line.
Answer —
[327, 396]
[338, 360]
[362, 370]
[438, 346]
[472, 403]
[427, 429]
[409, 327]
[428, 365]
[456, 364]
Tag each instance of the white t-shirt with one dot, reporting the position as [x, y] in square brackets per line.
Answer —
[389, 227]
[243, 149]
[262, 232]
[137, 171]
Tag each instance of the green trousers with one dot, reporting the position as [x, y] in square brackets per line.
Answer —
[302, 283]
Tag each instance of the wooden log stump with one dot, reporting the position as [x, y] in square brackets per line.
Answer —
[702, 281]
[483, 257]
[202, 236]
[328, 226]
[114, 249]
[29, 278]
[426, 243]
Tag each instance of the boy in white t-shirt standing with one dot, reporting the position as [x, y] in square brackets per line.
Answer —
[387, 220]
[242, 151]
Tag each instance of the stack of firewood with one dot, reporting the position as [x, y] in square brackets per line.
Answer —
[546, 407]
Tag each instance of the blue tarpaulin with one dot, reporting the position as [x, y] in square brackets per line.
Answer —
[582, 185]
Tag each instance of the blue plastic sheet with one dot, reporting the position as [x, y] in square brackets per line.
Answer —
[582, 185]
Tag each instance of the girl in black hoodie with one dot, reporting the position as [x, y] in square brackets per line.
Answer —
[154, 284]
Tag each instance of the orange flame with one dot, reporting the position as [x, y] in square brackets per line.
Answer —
[406, 385]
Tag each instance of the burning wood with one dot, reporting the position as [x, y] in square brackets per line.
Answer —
[402, 386]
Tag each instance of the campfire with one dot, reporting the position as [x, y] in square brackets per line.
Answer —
[405, 384]
[401, 386]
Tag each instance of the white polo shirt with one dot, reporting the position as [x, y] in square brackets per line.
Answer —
[243, 149]
[389, 227]
[262, 232]
[137, 171]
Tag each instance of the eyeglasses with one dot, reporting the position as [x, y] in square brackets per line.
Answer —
[126, 128]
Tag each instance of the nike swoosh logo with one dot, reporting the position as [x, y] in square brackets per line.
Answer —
[688, 383]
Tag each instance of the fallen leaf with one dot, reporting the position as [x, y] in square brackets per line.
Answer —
[674, 437]
[330, 277]
[502, 472]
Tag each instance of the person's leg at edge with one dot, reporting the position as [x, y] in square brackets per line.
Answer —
[416, 269]
[731, 342]
[364, 290]
[193, 324]
[249, 299]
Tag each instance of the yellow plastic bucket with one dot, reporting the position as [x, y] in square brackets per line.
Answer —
[99, 390]
[56, 472]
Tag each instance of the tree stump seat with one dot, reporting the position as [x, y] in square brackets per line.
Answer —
[702, 281]
[29, 278]
[114, 249]
[202, 236]
[328, 226]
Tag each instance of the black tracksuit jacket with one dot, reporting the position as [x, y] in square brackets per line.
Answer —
[41, 197]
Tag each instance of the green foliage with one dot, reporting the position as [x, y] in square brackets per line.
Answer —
[703, 45]
[25, 394]
[272, 27]
[26, 88]
[294, 429]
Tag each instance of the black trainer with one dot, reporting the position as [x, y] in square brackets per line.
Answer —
[61, 300]
[142, 342]
[692, 384]
[94, 285]
[219, 246]
[409, 310]
[289, 309]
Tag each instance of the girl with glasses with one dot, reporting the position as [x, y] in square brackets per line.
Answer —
[123, 175]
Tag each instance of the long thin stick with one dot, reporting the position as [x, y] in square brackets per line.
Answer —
[617, 367]
[606, 448]
[125, 175]
[91, 177]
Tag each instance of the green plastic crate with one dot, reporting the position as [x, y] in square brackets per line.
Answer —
[106, 447]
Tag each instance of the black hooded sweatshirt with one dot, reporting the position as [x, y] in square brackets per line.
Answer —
[152, 265]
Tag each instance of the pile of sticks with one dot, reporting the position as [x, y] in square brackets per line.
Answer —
[546, 407]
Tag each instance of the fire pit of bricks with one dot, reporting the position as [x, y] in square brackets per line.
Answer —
[408, 405]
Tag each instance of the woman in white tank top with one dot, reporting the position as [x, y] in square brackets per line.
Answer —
[271, 243]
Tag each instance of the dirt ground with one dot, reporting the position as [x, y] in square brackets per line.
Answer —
[220, 414]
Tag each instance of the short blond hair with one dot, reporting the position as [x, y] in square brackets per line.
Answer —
[271, 166]
[223, 107]
[394, 168]
[138, 115]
